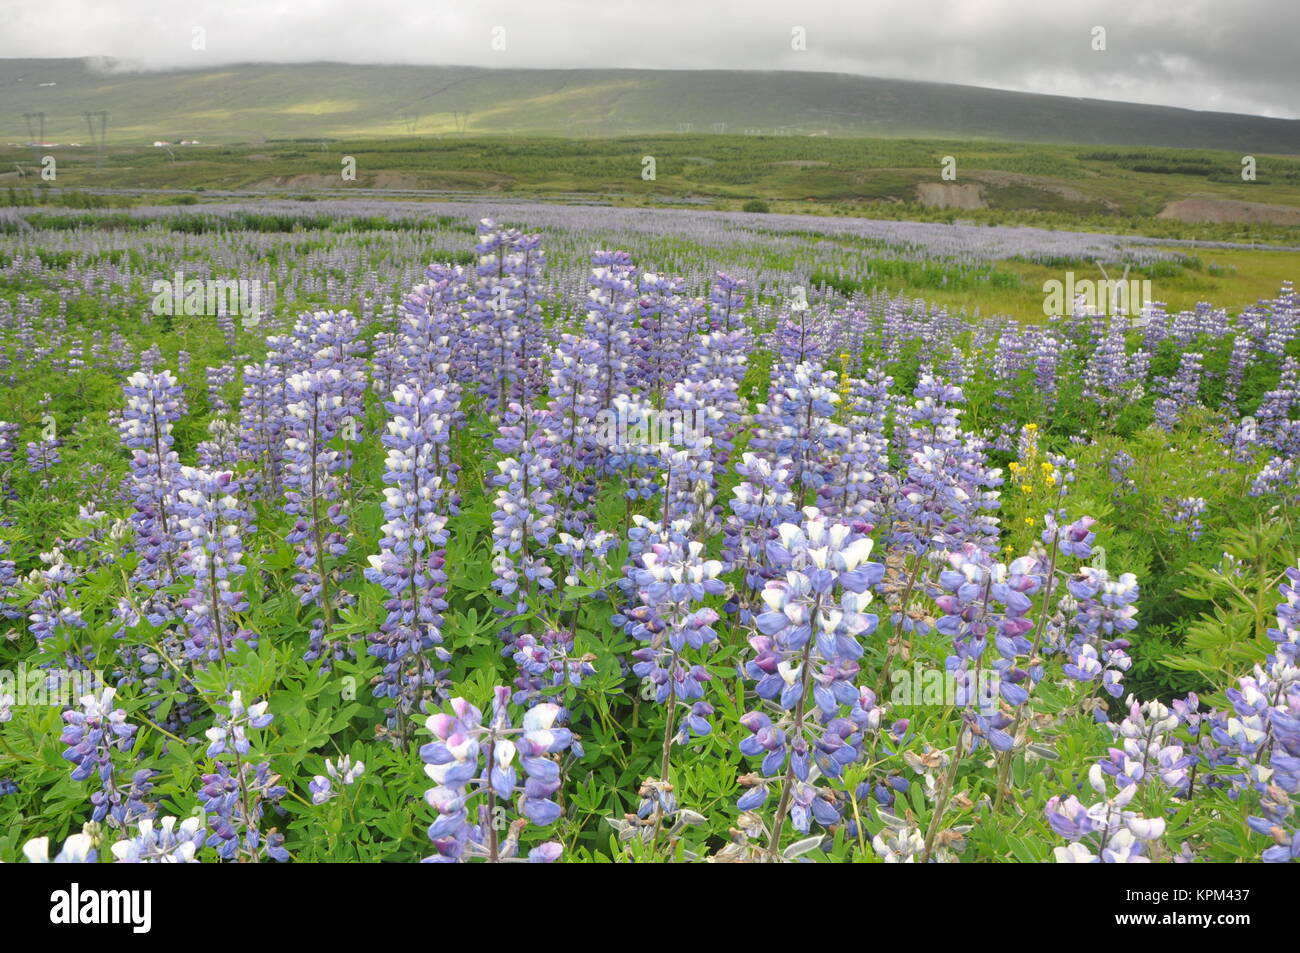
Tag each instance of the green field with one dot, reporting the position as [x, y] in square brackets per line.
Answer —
[1068, 187]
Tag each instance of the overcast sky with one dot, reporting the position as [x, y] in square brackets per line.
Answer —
[1231, 55]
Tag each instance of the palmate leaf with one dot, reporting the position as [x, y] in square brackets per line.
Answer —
[1220, 643]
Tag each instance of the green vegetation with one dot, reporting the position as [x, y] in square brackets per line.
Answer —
[339, 101]
[1061, 187]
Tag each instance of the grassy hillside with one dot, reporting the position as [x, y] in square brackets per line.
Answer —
[254, 102]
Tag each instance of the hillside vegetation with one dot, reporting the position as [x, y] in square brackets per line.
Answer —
[249, 102]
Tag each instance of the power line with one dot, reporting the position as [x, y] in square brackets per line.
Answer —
[97, 141]
[36, 131]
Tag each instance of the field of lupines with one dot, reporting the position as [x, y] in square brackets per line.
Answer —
[505, 558]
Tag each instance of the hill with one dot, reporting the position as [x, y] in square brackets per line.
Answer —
[254, 102]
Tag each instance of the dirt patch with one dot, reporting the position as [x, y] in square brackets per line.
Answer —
[1229, 210]
[950, 195]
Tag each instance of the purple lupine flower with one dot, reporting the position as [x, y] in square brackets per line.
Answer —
[762, 502]
[547, 662]
[321, 789]
[688, 483]
[525, 517]
[409, 565]
[948, 495]
[610, 321]
[210, 527]
[1255, 745]
[1113, 378]
[717, 372]
[154, 402]
[986, 604]
[671, 583]
[163, 842]
[261, 425]
[316, 405]
[661, 332]
[796, 423]
[234, 805]
[507, 314]
[1149, 746]
[43, 456]
[229, 731]
[806, 651]
[431, 320]
[726, 302]
[470, 760]
[219, 378]
[1187, 512]
[1107, 832]
[92, 734]
[1104, 610]
[1181, 392]
[234, 802]
[51, 609]
[1074, 540]
[573, 411]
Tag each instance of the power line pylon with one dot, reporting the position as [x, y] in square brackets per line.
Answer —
[36, 131]
[97, 141]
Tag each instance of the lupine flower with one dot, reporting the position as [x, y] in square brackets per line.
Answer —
[806, 650]
[1256, 744]
[1187, 512]
[507, 314]
[545, 662]
[726, 301]
[167, 842]
[261, 425]
[472, 761]
[230, 730]
[43, 456]
[525, 516]
[210, 525]
[671, 583]
[317, 406]
[409, 565]
[234, 804]
[610, 321]
[1106, 832]
[92, 734]
[762, 502]
[77, 849]
[1181, 391]
[154, 402]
